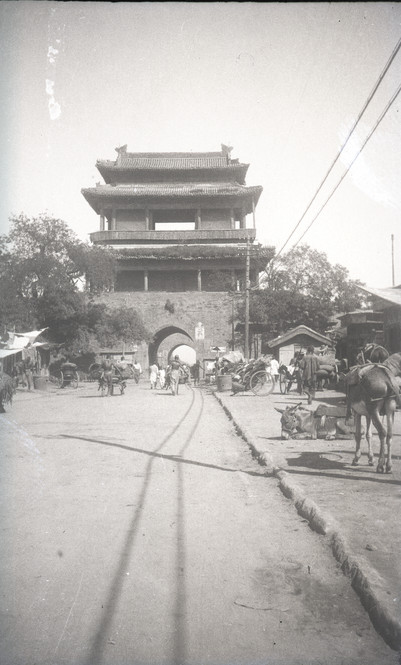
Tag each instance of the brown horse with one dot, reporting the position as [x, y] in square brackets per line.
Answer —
[377, 393]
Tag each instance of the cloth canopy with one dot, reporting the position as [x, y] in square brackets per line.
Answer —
[21, 340]
[8, 352]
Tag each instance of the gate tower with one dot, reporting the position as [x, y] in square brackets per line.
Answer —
[178, 222]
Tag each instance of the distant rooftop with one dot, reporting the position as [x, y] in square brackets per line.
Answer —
[391, 295]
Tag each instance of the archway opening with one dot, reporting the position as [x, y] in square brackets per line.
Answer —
[165, 341]
[185, 353]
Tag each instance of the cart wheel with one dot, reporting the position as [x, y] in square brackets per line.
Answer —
[283, 383]
[262, 383]
[60, 380]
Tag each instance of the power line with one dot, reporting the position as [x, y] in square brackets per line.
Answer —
[392, 100]
[366, 104]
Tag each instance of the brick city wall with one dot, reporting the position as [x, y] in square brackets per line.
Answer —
[213, 310]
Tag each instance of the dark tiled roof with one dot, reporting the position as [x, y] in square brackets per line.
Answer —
[172, 189]
[167, 161]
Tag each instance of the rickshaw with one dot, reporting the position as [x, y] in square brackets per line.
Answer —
[255, 376]
[67, 376]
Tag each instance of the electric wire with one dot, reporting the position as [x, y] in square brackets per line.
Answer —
[366, 104]
[390, 103]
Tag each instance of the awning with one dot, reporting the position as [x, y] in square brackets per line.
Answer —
[8, 352]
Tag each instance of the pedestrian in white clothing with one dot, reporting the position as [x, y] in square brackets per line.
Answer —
[274, 367]
[153, 374]
[162, 377]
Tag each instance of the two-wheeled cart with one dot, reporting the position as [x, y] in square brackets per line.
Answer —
[67, 376]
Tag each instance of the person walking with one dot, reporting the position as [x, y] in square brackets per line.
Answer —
[137, 371]
[196, 369]
[176, 368]
[274, 367]
[153, 374]
[162, 377]
[108, 368]
[28, 372]
[309, 366]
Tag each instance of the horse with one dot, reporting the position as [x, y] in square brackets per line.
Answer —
[376, 393]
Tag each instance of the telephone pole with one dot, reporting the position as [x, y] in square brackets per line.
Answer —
[392, 259]
[247, 302]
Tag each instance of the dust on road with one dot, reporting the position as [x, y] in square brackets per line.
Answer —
[138, 529]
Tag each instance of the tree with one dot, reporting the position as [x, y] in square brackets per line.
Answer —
[48, 279]
[44, 250]
[119, 325]
[305, 271]
[302, 287]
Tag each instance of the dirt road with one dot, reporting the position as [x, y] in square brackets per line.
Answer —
[137, 529]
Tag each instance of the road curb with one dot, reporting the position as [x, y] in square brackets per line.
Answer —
[363, 577]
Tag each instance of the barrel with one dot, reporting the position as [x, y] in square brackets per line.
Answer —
[224, 382]
[40, 382]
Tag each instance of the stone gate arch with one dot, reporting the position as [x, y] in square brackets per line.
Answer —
[181, 336]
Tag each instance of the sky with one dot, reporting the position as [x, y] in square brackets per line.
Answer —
[282, 83]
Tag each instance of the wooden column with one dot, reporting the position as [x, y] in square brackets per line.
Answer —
[198, 224]
[101, 219]
[232, 218]
[113, 219]
[243, 219]
[146, 280]
[147, 219]
[253, 213]
[199, 280]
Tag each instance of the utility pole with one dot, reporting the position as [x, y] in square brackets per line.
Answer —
[232, 323]
[392, 260]
[247, 302]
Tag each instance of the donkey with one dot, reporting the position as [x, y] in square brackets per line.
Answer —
[377, 393]
[372, 353]
[326, 422]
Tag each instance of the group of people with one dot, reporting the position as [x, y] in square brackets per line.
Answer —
[169, 377]
[303, 369]
[109, 369]
[159, 377]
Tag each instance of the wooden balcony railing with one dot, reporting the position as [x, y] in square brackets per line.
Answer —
[198, 236]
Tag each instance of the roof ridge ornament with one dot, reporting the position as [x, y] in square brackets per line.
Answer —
[121, 149]
[226, 150]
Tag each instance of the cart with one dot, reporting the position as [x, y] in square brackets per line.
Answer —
[254, 376]
[118, 383]
[67, 376]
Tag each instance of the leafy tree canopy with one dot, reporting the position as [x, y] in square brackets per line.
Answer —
[302, 287]
[48, 278]
[44, 251]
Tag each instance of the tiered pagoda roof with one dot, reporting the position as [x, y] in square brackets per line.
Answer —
[164, 190]
[131, 166]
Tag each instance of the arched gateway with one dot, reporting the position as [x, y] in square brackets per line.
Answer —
[178, 224]
[165, 341]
